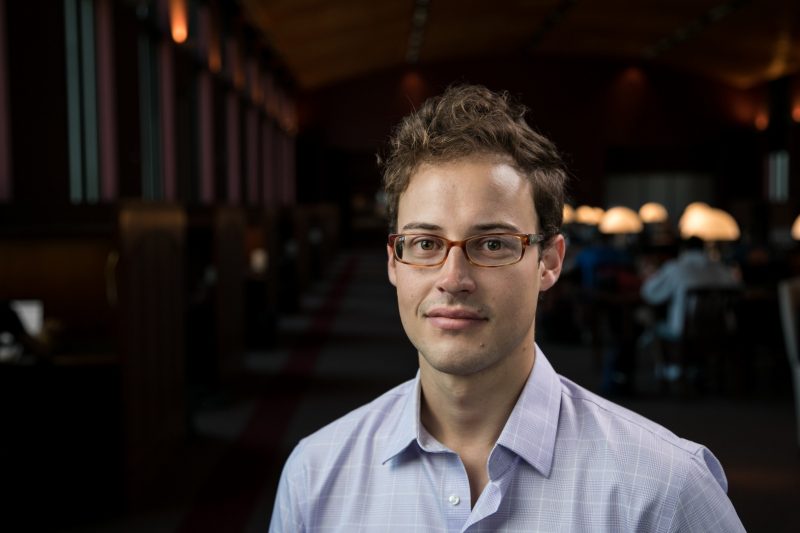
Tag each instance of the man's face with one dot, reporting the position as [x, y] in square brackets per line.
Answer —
[465, 319]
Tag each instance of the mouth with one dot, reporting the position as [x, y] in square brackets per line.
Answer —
[454, 319]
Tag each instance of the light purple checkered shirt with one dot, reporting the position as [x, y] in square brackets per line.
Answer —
[566, 460]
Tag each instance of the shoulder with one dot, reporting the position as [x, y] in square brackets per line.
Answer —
[619, 425]
[651, 467]
[339, 459]
[336, 459]
[630, 436]
[358, 433]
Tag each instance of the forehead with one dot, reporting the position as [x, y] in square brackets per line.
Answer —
[468, 193]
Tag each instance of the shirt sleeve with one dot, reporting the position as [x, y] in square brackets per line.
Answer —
[287, 515]
[659, 287]
[703, 504]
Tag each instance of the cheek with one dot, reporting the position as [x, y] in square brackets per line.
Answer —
[408, 293]
[518, 299]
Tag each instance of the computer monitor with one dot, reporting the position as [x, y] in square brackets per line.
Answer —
[31, 314]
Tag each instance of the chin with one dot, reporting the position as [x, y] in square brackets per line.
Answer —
[459, 362]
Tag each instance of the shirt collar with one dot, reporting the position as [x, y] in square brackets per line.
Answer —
[407, 427]
[530, 431]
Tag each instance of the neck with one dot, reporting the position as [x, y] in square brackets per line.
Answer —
[469, 412]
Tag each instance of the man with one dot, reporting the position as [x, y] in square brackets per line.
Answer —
[692, 269]
[488, 437]
[672, 285]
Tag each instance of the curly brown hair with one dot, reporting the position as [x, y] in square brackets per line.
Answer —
[470, 120]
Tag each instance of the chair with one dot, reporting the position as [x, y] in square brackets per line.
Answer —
[710, 333]
[710, 314]
[789, 303]
[707, 351]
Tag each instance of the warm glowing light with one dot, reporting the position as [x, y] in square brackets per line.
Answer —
[620, 220]
[179, 20]
[692, 211]
[568, 214]
[762, 121]
[694, 219]
[708, 223]
[259, 261]
[723, 227]
[653, 212]
[796, 229]
[588, 215]
[796, 113]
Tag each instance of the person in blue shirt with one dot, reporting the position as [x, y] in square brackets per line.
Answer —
[487, 436]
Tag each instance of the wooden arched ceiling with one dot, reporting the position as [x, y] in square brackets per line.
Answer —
[739, 42]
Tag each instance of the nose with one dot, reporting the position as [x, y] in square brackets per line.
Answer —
[455, 275]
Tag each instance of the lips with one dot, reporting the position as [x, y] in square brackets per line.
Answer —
[454, 318]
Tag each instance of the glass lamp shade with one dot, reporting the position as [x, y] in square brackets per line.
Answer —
[692, 210]
[653, 212]
[588, 215]
[709, 224]
[620, 220]
[569, 214]
[796, 229]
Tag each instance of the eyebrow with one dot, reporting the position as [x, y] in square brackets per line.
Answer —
[422, 226]
[486, 227]
[496, 226]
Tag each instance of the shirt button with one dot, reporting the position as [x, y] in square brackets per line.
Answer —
[453, 499]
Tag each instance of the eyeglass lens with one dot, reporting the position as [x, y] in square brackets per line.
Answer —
[485, 250]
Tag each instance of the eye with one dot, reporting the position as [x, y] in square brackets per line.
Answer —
[493, 245]
[425, 243]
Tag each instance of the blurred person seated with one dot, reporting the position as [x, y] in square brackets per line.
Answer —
[609, 283]
[692, 269]
[605, 265]
[669, 285]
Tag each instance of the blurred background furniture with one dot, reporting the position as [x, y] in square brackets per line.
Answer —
[789, 301]
[707, 355]
[98, 417]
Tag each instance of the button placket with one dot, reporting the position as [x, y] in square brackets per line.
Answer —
[455, 494]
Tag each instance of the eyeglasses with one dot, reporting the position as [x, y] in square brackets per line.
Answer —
[488, 250]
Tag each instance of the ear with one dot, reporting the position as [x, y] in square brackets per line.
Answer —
[391, 266]
[551, 262]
